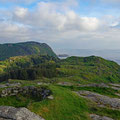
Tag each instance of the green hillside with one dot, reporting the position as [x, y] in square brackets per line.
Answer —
[51, 72]
[25, 48]
[90, 69]
[28, 67]
[73, 69]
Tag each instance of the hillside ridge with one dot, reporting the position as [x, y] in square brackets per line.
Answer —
[8, 50]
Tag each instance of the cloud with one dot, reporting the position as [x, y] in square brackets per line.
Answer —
[21, 12]
[59, 24]
[17, 1]
[50, 16]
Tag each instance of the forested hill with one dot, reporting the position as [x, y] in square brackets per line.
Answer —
[28, 67]
[25, 48]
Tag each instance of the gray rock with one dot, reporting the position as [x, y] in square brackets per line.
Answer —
[65, 83]
[37, 92]
[97, 117]
[2, 86]
[115, 88]
[11, 113]
[50, 97]
[117, 94]
[101, 99]
[10, 85]
[116, 85]
[42, 83]
[95, 85]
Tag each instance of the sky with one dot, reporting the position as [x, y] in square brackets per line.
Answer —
[73, 24]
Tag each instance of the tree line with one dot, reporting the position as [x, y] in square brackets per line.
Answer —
[44, 70]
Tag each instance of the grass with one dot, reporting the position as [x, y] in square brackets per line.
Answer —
[65, 106]
[104, 91]
[24, 82]
[90, 69]
[14, 101]
[115, 114]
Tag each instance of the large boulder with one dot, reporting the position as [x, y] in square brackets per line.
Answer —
[11, 113]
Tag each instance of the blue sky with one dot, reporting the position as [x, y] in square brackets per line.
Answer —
[84, 7]
[63, 23]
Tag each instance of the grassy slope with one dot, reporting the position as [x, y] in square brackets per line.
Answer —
[24, 62]
[66, 105]
[103, 91]
[89, 69]
[26, 48]
[73, 69]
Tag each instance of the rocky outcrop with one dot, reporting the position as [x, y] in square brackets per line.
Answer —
[35, 92]
[116, 88]
[95, 85]
[10, 85]
[11, 113]
[42, 83]
[115, 85]
[97, 117]
[65, 83]
[114, 103]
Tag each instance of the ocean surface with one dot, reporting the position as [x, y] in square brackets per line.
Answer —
[113, 55]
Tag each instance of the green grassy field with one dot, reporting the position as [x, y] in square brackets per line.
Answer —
[66, 104]
[103, 91]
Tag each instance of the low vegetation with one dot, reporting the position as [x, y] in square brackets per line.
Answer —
[25, 48]
[90, 69]
[66, 104]
[101, 90]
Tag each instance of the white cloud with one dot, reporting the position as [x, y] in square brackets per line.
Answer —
[58, 23]
[48, 16]
[17, 1]
[90, 23]
[21, 12]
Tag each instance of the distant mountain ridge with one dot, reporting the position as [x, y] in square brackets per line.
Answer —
[24, 48]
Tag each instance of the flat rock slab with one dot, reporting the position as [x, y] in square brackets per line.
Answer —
[41, 83]
[114, 103]
[11, 113]
[97, 117]
[115, 88]
[51, 97]
[65, 83]
[116, 85]
[103, 85]
[10, 85]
